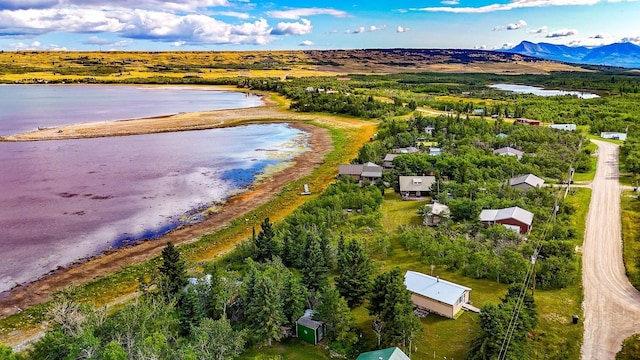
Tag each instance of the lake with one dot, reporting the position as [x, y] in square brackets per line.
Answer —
[66, 200]
[27, 107]
[525, 89]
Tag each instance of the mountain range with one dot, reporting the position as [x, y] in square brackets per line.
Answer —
[625, 54]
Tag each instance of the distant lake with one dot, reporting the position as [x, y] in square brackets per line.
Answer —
[525, 89]
[65, 200]
[27, 107]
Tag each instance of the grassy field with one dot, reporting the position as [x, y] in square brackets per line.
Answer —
[588, 176]
[631, 236]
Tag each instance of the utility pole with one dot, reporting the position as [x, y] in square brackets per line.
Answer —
[533, 263]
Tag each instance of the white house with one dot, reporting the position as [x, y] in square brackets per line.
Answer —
[509, 151]
[436, 295]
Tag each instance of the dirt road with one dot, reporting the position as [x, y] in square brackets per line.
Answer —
[611, 304]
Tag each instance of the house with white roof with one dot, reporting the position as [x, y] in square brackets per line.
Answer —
[614, 135]
[564, 127]
[415, 187]
[435, 213]
[526, 182]
[509, 151]
[436, 295]
[361, 172]
[514, 218]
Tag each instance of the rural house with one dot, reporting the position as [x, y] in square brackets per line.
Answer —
[435, 213]
[526, 121]
[526, 182]
[436, 295]
[387, 162]
[429, 129]
[406, 150]
[509, 151]
[393, 353]
[361, 172]
[415, 187]
[514, 218]
[310, 330]
[435, 151]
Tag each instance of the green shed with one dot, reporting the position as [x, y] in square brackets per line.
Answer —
[310, 330]
[392, 353]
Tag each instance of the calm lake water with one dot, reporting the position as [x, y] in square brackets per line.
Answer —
[525, 89]
[27, 107]
[61, 201]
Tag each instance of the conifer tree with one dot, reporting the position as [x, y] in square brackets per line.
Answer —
[173, 273]
[315, 270]
[266, 243]
[355, 270]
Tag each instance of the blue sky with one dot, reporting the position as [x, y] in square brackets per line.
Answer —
[286, 24]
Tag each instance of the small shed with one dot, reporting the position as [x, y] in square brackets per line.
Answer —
[526, 121]
[393, 353]
[526, 182]
[436, 295]
[429, 129]
[435, 213]
[415, 187]
[514, 218]
[310, 330]
[435, 151]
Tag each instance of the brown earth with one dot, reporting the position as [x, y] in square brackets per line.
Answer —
[320, 143]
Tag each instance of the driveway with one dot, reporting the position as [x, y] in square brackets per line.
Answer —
[611, 304]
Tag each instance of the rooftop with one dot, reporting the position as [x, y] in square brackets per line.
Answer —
[393, 353]
[527, 179]
[433, 287]
[514, 212]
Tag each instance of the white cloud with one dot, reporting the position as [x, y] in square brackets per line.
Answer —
[359, 30]
[561, 33]
[295, 28]
[295, 14]
[377, 28]
[178, 43]
[516, 26]
[235, 14]
[306, 43]
[22, 46]
[514, 4]
[540, 30]
[140, 24]
[505, 46]
[95, 40]
[480, 47]
[402, 29]
[450, 2]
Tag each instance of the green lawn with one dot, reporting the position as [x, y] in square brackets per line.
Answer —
[588, 176]
[631, 236]
[290, 349]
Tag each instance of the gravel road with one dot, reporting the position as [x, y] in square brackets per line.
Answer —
[611, 304]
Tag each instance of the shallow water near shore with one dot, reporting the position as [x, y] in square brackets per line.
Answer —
[29, 107]
[62, 201]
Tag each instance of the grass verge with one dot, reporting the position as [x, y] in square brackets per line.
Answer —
[631, 236]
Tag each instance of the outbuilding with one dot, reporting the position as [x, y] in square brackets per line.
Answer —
[310, 330]
[509, 151]
[436, 295]
[564, 127]
[614, 135]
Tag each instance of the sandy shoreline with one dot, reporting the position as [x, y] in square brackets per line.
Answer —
[83, 271]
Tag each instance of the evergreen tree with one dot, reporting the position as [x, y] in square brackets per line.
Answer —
[265, 313]
[334, 311]
[314, 270]
[173, 273]
[215, 339]
[266, 243]
[355, 271]
[294, 295]
[190, 310]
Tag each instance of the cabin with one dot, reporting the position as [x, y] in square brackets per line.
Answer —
[429, 129]
[436, 295]
[387, 162]
[310, 330]
[478, 112]
[435, 213]
[509, 151]
[514, 218]
[526, 121]
[392, 353]
[406, 150]
[415, 187]
[526, 182]
[564, 127]
[614, 135]
[361, 172]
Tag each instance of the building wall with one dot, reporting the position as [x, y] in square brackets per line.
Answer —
[524, 228]
[306, 334]
[524, 187]
[433, 305]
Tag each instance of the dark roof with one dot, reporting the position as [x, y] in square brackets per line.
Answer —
[308, 322]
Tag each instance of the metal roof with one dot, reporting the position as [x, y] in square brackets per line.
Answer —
[529, 179]
[433, 287]
[416, 183]
[308, 322]
[350, 169]
[514, 212]
[508, 151]
[371, 170]
[393, 353]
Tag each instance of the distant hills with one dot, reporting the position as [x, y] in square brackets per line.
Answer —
[624, 54]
